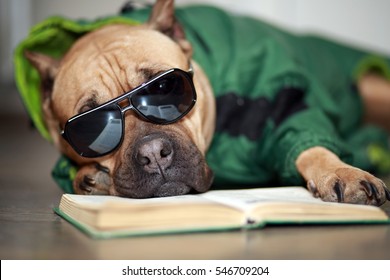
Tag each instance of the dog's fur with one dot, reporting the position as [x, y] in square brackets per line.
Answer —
[98, 67]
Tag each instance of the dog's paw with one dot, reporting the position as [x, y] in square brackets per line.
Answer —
[350, 185]
[93, 179]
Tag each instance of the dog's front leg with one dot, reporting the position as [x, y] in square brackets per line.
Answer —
[93, 179]
[333, 180]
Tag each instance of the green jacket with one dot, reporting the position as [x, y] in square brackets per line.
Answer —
[277, 94]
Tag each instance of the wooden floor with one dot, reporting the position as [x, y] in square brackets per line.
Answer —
[30, 230]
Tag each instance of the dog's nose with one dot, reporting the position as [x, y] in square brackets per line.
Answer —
[154, 153]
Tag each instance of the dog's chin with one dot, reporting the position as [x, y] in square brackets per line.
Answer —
[171, 189]
[166, 189]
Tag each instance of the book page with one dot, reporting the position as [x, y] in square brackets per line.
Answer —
[243, 199]
[293, 204]
[99, 201]
[247, 199]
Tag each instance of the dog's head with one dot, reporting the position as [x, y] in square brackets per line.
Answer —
[152, 159]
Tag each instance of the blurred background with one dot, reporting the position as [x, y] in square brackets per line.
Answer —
[364, 23]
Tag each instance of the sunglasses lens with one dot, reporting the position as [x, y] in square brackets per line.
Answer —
[166, 99]
[95, 133]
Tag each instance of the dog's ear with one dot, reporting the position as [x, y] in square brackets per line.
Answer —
[163, 19]
[47, 68]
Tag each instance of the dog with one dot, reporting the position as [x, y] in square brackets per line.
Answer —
[112, 81]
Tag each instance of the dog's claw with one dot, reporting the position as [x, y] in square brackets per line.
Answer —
[339, 191]
[86, 184]
[372, 191]
[312, 188]
[89, 180]
[375, 192]
[85, 188]
[367, 188]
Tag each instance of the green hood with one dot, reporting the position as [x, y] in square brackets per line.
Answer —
[52, 37]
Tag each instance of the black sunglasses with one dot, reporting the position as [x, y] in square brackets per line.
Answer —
[164, 99]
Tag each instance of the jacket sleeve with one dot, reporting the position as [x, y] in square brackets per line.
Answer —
[301, 131]
[304, 115]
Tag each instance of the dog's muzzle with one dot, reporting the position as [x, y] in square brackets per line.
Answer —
[162, 164]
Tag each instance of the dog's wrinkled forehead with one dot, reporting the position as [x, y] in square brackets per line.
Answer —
[113, 60]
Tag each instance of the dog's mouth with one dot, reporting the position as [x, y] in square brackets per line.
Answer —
[162, 164]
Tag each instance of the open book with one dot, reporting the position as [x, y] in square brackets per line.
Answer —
[109, 216]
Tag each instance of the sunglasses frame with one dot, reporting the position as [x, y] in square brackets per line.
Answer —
[123, 109]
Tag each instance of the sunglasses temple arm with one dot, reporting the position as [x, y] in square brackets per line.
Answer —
[191, 70]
